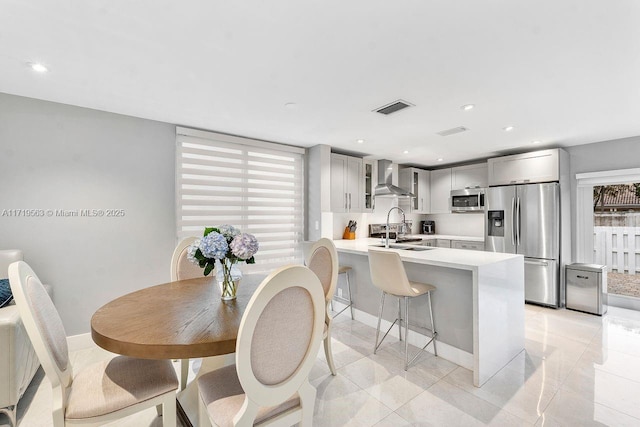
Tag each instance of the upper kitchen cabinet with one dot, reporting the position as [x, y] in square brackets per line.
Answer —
[417, 181]
[370, 180]
[347, 183]
[440, 190]
[537, 166]
[469, 176]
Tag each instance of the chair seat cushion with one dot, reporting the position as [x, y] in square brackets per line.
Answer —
[118, 383]
[421, 288]
[222, 394]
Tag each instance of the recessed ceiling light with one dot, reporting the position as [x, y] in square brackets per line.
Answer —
[36, 66]
[406, 151]
[468, 107]
[535, 142]
[440, 159]
[360, 141]
[508, 128]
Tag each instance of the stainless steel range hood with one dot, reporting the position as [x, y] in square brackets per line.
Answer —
[385, 188]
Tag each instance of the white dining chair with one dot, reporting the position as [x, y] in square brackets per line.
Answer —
[183, 269]
[276, 347]
[342, 270]
[322, 259]
[102, 392]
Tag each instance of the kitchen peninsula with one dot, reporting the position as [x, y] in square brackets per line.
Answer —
[478, 305]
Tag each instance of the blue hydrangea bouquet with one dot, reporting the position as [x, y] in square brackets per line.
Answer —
[222, 248]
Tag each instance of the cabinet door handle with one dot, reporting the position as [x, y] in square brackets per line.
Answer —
[583, 277]
[349, 201]
[345, 201]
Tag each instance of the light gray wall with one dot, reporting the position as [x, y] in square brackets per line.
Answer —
[318, 194]
[600, 156]
[55, 156]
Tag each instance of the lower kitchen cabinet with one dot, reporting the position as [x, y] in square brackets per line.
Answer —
[443, 243]
[465, 244]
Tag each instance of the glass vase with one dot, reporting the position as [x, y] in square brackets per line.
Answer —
[228, 275]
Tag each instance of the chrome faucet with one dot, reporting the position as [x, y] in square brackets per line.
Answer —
[386, 244]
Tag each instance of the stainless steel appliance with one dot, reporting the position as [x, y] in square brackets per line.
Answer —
[525, 219]
[428, 227]
[587, 288]
[398, 232]
[385, 187]
[467, 200]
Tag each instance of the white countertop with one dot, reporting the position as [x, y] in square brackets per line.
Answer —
[443, 257]
[451, 237]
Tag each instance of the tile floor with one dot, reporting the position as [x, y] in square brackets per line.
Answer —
[577, 370]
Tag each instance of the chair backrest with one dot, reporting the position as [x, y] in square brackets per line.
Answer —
[280, 335]
[43, 325]
[388, 273]
[8, 257]
[181, 267]
[322, 259]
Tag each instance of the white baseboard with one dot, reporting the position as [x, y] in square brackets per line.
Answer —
[446, 351]
[630, 303]
[80, 342]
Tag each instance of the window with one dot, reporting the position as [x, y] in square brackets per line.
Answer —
[253, 185]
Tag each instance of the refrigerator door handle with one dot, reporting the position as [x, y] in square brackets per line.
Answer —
[518, 221]
[513, 226]
[541, 263]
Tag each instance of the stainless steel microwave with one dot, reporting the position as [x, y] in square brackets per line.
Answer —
[467, 200]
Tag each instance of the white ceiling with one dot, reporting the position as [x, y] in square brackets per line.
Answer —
[564, 72]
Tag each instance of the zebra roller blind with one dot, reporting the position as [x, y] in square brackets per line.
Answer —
[253, 185]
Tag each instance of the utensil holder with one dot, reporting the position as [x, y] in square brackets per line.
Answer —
[348, 235]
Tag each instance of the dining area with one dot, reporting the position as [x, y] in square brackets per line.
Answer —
[250, 339]
[175, 354]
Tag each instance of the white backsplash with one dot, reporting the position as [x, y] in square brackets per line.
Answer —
[455, 224]
[467, 224]
[379, 216]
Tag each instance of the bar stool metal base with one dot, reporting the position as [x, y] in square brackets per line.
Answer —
[347, 301]
[400, 321]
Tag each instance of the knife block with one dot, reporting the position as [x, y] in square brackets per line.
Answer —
[348, 235]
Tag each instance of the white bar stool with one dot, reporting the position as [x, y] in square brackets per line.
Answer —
[344, 269]
[388, 274]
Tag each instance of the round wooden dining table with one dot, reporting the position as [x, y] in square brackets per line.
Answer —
[177, 320]
[186, 319]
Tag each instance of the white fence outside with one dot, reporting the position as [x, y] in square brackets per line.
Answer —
[618, 248]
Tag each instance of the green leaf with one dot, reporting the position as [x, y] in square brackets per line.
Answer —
[208, 230]
[251, 260]
[210, 266]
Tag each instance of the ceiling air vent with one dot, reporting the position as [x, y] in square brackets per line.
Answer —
[453, 131]
[393, 107]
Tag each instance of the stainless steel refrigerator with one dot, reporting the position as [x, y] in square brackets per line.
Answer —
[525, 219]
